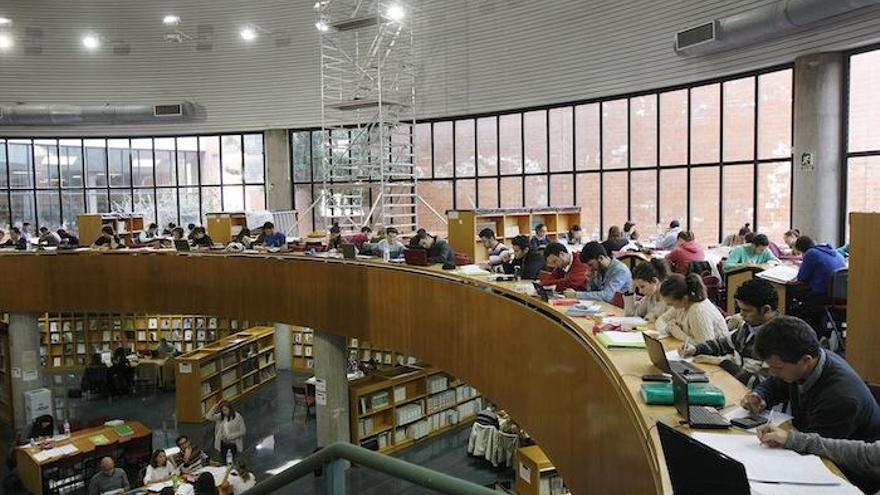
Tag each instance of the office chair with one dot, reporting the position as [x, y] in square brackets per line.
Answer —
[302, 396]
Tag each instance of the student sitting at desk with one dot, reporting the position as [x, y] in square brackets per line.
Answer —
[686, 250]
[574, 236]
[165, 348]
[390, 245]
[151, 233]
[568, 271]
[240, 480]
[755, 253]
[439, 251]
[67, 239]
[529, 261]
[201, 239]
[790, 239]
[361, 238]
[738, 238]
[108, 239]
[414, 240]
[243, 239]
[615, 241]
[190, 457]
[335, 241]
[825, 395]
[608, 275]
[494, 249]
[859, 458]
[160, 468]
[42, 427]
[647, 279]
[629, 231]
[48, 238]
[177, 234]
[540, 239]
[758, 303]
[668, 240]
[170, 227]
[109, 479]
[191, 228]
[270, 238]
[15, 240]
[819, 262]
[693, 318]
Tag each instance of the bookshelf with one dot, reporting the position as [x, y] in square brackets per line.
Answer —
[124, 224]
[70, 338]
[464, 226]
[401, 406]
[224, 226]
[5, 376]
[226, 369]
[302, 351]
[536, 474]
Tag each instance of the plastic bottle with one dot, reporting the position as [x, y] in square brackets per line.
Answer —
[175, 480]
[66, 427]
[228, 457]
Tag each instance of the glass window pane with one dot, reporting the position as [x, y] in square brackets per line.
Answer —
[233, 198]
[643, 125]
[643, 210]
[209, 156]
[144, 204]
[254, 198]
[739, 120]
[587, 152]
[464, 148]
[511, 192]
[189, 206]
[97, 201]
[164, 155]
[443, 149]
[438, 194]
[863, 184]
[738, 189]
[318, 155]
[616, 197]
[232, 159]
[119, 162]
[704, 204]
[536, 191]
[774, 199]
[142, 162]
[588, 200]
[72, 204]
[488, 193]
[674, 128]
[302, 167]
[487, 146]
[561, 190]
[46, 163]
[22, 205]
[561, 139]
[211, 202]
[96, 162]
[70, 162]
[615, 153]
[187, 161]
[5, 221]
[536, 141]
[422, 141]
[673, 200]
[253, 159]
[120, 201]
[21, 174]
[3, 179]
[864, 105]
[705, 124]
[510, 133]
[774, 114]
[166, 206]
[465, 194]
[49, 209]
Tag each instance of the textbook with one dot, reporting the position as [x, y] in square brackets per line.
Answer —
[99, 440]
[123, 430]
[628, 340]
[699, 394]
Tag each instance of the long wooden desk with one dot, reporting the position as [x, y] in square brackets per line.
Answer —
[31, 470]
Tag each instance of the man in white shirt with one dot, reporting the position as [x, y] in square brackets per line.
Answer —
[669, 239]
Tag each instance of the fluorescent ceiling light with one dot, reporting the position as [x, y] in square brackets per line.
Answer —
[248, 33]
[322, 26]
[171, 20]
[395, 13]
[6, 42]
[5, 21]
[91, 41]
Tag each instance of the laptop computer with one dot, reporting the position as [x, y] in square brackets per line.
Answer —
[349, 251]
[181, 245]
[697, 469]
[417, 257]
[658, 357]
[542, 292]
[696, 416]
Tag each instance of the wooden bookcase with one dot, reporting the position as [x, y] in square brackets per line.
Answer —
[227, 369]
[224, 226]
[70, 338]
[5, 376]
[464, 226]
[125, 225]
[536, 474]
[404, 405]
[301, 339]
[302, 352]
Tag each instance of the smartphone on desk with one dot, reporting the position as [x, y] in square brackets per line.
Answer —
[749, 422]
[656, 378]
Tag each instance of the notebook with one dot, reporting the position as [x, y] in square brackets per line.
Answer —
[123, 430]
[626, 340]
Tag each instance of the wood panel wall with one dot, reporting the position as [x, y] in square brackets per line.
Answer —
[863, 331]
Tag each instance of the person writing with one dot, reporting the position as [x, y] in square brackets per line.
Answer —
[67, 239]
[609, 276]
[151, 233]
[575, 236]
[820, 261]
[240, 480]
[243, 238]
[615, 241]
[629, 231]
[110, 479]
[335, 241]
[790, 239]
[270, 238]
[201, 239]
[438, 250]
[693, 317]
[108, 239]
[177, 234]
[540, 239]
[755, 253]
[529, 261]
[15, 240]
[685, 251]
[647, 278]
[758, 303]
[739, 237]
[390, 245]
[229, 429]
[567, 269]
[494, 249]
[668, 240]
[159, 469]
[190, 458]
[48, 238]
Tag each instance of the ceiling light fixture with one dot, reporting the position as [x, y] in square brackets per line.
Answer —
[5, 41]
[395, 13]
[171, 20]
[248, 33]
[91, 41]
[322, 26]
[5, 21]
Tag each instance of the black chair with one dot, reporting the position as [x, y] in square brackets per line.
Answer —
[94, 382]
[701, 268]
[835, 309]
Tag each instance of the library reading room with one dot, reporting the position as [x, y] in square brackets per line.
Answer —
[456, 247]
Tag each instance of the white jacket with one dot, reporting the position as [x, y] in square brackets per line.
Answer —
[230, 431]
[482, 441]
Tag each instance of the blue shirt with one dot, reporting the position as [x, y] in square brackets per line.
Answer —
[605, 283]
[819, 263]
[275, 240]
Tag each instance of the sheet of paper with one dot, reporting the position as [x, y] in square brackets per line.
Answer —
[625, 321]
[759, 488]
[625, 337]
[673, 355]
[781, 273]
[778, 417]
[473, 270]
[766, 464]
[69, 449]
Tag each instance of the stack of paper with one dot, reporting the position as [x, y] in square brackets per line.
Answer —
[626, 322]
[782, 274]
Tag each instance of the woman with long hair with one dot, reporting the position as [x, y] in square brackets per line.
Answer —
[694, 319]
[159, 469]
[229, 429]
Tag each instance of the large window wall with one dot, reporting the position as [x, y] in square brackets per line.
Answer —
[714, 155]
[167, 179]
[863, 143]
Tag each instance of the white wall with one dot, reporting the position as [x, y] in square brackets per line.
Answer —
[474, 55]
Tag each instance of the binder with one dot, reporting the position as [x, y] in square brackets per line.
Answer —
[699, 394]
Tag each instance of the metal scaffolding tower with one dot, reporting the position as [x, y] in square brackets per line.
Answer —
[368, 105]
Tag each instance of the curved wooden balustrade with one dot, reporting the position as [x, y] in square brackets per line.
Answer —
[539, 364]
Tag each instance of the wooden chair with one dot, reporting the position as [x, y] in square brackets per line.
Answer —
[302, 396]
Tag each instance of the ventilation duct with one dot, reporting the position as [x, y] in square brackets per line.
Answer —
[50, 115]
[768, 21]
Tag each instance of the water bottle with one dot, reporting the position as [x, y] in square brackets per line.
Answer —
[66, 427]
[228, 457]
[175, 480]
[386, 255]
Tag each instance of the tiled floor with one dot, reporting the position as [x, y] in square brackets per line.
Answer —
[274, 438]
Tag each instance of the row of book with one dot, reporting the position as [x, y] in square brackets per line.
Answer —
[438, 402]
[408, 413]
[437, 383]
[372, 402]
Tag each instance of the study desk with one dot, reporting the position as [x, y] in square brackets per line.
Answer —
[31, 469]
[741, 275]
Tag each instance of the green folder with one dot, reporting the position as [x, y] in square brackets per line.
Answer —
[699, 394]
[123, 430]
[99, 440]
[621, 340]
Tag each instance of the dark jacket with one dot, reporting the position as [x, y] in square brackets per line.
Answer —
[530, 264]
[441, 252]
[747, 368]
[820, 261]
[838, 405]
[21, 243]
[614, 245]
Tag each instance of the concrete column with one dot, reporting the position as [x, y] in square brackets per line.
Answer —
[331, 363]
[283, 350]
[24, 350]
[279, 193]
[818, 141]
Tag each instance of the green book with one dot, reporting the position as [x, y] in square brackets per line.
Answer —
[123, 430]
[99, 440]
[626, 340]
[699, 394]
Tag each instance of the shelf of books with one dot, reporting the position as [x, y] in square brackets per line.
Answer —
[223, 370]
[69, 338]
[303, 356]
[5, 376]
[404, 405]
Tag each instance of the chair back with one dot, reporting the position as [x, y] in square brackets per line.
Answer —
[713, 291]
[299, 393]
[701, 268]
[875, 389]
[617, 300]
[837, 286]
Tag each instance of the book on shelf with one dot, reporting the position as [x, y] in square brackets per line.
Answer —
[65, 326]
[297, 338]
[200, 323]
[308, 350]
[212, 323]
[152, 323]
[53, 326]
[365, 426]
[79, 325]
[400, 393]
[379, 399]
[297, 350]
[142, 336]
